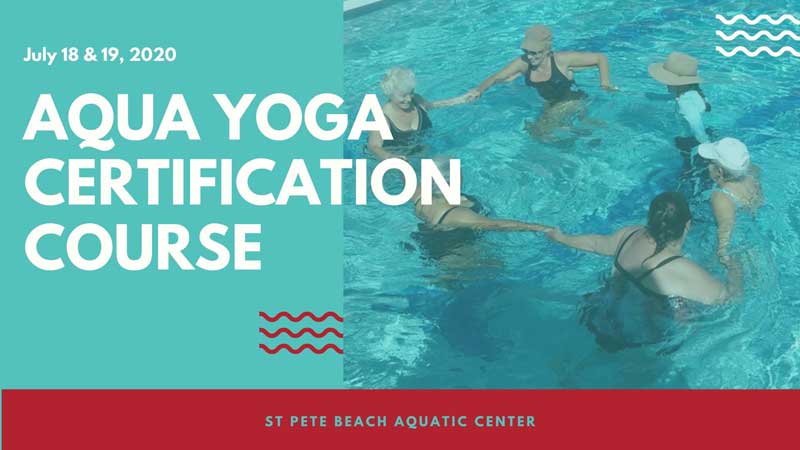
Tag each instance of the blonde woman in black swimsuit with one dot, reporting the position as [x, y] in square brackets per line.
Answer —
[551, 74]
[407, 115]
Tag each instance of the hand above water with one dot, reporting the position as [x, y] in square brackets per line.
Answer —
[472, 95]
[554, 234]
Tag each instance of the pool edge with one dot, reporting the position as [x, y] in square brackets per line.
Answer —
[355, 8]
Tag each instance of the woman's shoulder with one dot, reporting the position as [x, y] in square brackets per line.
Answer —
[389, 112]
[629, 230]
[563, 57]
[685, 278]
[722, 203]
[623, 234]
[422, 103]
[565, 54]
[721, 197]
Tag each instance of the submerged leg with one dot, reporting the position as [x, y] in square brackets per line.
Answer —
[558, 118]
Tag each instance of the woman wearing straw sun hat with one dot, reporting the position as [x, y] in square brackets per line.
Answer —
[551, 74]
[737, 187]
[679, 74]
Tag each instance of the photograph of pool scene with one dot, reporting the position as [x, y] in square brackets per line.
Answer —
[631, 209]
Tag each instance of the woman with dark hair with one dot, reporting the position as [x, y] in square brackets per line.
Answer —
[650, 257]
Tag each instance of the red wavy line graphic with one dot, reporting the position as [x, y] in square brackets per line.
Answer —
[324, 332]
[302, 316]
[300, 349]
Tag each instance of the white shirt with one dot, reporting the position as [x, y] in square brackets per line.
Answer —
[692, 106]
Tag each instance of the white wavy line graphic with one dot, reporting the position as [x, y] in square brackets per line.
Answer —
[760, 34]
[758, 19]
[758, 51]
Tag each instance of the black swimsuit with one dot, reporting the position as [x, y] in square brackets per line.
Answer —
[408, 138]
[476, 207]
[558, 88]
[441, 218]
[620, 321]
[637, 280]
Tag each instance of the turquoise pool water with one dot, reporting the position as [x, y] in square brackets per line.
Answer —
[502, 311]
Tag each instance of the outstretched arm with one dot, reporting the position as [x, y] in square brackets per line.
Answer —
[583, 60]
[428, 105]
[509, 72]
[466, 218]
[594, 243]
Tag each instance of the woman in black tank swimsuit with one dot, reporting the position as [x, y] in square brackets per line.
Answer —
[406, 114]
[626, 313]
[637, 280]
[409, 138]
[556, 87]
[662, 239]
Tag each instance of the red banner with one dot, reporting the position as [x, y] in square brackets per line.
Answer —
[245, 419]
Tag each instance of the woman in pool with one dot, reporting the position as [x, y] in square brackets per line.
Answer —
[450, 234]
[737, 187]
[407, 115]
[649, 257]
[551, 74]
[679, 74]
[442, 216]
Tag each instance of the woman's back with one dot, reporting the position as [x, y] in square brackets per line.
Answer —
[745, 192]
[664, 274]
[636, 263]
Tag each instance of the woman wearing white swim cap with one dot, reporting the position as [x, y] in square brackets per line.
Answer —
[737, 187]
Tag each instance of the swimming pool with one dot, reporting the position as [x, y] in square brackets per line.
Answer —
[502, 311]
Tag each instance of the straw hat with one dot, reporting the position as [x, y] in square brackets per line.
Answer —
[679, 69]
[537, 37]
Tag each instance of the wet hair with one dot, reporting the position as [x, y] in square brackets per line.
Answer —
[666, 219]
[398, 80]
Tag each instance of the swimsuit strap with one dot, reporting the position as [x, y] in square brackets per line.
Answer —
[527, 72]
[423, 119]
[661, 264]
[736, 200]
[441, 218]
[553, 65]
[637, 281]
[395, 127]
[619, 250]
[408, 138]
[556, 88]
